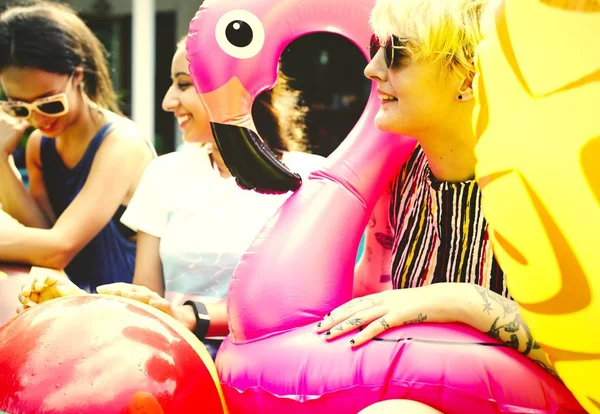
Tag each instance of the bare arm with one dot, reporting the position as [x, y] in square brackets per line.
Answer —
[76, 226]
[373, 271]
[499, 317]
[14, 198]
[148, 267]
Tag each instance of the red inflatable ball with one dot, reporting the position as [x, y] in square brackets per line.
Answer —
[103, 354]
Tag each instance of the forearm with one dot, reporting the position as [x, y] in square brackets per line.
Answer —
[218, 318]
[37, 247]
[16, 201]
[499, 317]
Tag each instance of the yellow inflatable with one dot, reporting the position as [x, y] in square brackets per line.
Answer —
[538, 119]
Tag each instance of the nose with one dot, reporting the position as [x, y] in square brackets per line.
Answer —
[376, 69]
[38, 119]
[171, 99]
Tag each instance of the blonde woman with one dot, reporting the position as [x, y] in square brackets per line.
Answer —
[428, 239]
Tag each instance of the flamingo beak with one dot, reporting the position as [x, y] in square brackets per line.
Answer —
[246, 155]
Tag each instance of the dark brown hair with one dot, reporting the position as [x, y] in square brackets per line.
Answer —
[51, 37]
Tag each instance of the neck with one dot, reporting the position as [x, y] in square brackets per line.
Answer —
[451, 157]
[217, 160]
[84, 125]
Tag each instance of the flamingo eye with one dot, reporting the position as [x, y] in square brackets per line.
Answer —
[240, 34]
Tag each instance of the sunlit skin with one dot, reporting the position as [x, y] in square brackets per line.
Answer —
[186, 105]
[420, 99]
[16, 82]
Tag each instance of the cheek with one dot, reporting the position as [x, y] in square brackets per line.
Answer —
[191, 102]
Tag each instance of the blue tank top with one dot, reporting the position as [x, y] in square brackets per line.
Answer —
[107, 258]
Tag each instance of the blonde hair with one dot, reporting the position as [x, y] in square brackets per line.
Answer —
[445, 31]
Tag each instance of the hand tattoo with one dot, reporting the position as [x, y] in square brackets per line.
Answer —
[355, 322]
[385, 325]
[419, 319]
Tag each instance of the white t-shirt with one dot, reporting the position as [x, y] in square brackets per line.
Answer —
[205, 222]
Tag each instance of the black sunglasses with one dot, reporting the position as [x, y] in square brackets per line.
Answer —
[391, 56]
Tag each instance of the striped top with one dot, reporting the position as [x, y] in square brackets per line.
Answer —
[440, 234]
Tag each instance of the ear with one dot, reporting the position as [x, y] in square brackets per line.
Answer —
[465, 91]
[78, 76]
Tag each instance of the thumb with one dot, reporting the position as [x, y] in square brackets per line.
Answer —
[22, 126]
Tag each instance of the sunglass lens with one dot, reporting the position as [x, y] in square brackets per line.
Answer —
[373, 46]
[52, 108]
[20, 111]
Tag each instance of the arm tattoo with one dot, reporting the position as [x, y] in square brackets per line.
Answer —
[510, 331]
[372, 221]
[385, 240]
[419, 319]
[509, 306]
[547, 369]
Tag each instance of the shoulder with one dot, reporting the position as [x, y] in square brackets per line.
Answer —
[125, 142]
[126, 134]
[33, 150]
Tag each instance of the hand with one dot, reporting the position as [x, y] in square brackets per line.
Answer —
[47, 284]
[11, 131]
[379, 312]
[141, 294]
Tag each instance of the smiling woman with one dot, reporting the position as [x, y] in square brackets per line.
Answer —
[56, 79]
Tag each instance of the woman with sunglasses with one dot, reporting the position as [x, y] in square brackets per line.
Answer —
[193, 221]
[428, 240]
[84, 159]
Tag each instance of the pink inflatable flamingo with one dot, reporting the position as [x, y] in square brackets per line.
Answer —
[301, 265]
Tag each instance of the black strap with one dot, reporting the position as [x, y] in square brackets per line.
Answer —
[202, 319]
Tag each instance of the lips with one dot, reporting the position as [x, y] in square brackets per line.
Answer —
[48, 128]
[385, 97]
[182, 120]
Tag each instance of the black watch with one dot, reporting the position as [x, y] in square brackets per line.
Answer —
[202, 318]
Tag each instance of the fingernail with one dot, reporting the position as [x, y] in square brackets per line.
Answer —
[352, 342]
[319, 324]
[327, 333]
[329, 314]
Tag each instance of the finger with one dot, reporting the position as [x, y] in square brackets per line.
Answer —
[112, 287]
[23, 125]
[38, 286]
[25, 290]
[162, 305]
[134, 293]
[118, 289]
[34, 297]
[23, 299]
[377, 327]
[345, 312]
[356, 321]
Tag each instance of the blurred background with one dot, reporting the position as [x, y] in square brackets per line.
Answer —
[140, 37]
